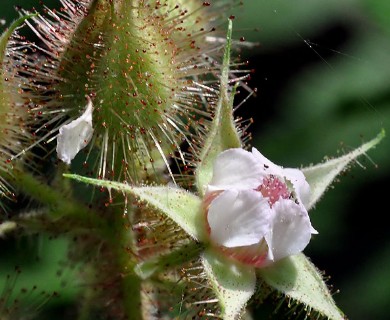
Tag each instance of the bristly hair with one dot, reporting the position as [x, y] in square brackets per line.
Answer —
[15, 117]
[179, 287]
[149, 68]
[21, 304]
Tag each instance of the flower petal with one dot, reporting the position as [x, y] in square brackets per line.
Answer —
[290, 230]
[238, 218]
[236, 169]
[301, 186]
[266, 165]
[295, 176]
[75, 135]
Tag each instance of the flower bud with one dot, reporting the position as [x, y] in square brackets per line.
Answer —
[142, 63]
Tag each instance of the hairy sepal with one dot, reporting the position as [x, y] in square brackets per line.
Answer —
[298, 279]
[223, 133]
[233, 284]
[322, 175]
[177, 204]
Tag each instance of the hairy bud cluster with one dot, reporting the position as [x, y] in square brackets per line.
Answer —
[146, 66]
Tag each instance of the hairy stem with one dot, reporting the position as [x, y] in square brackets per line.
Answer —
[58, 204]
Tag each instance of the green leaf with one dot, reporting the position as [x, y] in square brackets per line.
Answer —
[233, 284]
[223, 133]
[321, 176]
[299, 279]
[179, 205]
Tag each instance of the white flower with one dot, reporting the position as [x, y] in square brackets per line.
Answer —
[75, 135]
[256, 209]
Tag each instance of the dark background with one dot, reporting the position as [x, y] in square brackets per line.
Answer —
[322, 70]
[322, 73]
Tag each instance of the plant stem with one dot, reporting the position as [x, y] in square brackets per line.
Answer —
[124, 245]
[60, 205]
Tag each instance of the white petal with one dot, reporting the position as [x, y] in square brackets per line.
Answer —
[236, 169]
[239, 218]
[290, 230]
[267, 166]
[75, 135]
[301, 186]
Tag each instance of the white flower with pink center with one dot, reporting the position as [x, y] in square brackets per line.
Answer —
[255, 210]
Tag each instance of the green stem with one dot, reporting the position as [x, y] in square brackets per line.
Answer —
[132, 297]
[184, 254]
[123, 243]
[87, 303]
[59, 205]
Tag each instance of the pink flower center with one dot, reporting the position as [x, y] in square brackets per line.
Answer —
[273, 189]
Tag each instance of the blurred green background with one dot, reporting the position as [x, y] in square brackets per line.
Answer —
[322, 70]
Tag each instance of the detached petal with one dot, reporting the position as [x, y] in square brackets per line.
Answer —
[238, 218]
[290, 230]
[75, 135]
[236, 169]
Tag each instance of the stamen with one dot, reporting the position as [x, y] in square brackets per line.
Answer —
[273, 189]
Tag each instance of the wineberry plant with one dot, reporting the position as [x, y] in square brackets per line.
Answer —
[118, 133]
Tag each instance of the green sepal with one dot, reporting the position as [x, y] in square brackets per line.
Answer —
[234, 284]
[182, 207]
[321, 175]
[298, 279]
[164, 262]
[223, 132]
